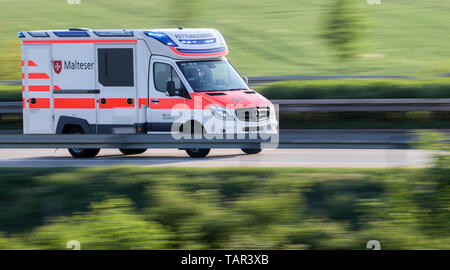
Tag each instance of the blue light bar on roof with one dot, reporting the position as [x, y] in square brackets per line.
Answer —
[161, 37]
[198, 41]
[20, 35]
[39, 34]
[114, 33]
[71, 33]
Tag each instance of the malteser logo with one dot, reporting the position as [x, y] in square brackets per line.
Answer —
[57, 66]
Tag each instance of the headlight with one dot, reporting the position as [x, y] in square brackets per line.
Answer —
[221, 113]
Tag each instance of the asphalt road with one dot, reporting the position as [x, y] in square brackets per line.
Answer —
[320, 158]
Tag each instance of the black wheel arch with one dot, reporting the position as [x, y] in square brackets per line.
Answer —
[66, 123]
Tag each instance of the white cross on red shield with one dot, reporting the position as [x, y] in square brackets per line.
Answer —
[57, 66]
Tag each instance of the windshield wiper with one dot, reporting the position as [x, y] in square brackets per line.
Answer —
[235, 89]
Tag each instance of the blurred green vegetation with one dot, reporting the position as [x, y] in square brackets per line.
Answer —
[344, 25]
[366, 120]
[265, 37]
[10, 92]
[234, 208]
[357, 88]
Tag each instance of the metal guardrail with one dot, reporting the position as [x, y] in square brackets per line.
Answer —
[363, 105]
[283, 140]
[11, 107]
[325, 105]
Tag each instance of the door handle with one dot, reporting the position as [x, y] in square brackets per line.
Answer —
[155, 101]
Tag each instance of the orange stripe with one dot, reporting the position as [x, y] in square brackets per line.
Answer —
[38, 88]
[31, 63]
[38, 76]
[115, 103]
[83, 41]
[143, 101]
[41, 103]
[166, 103]
[74, 103]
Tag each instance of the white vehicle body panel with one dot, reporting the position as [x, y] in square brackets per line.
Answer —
[105, 82]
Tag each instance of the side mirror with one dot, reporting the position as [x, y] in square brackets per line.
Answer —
[245, 80]
[170, 89]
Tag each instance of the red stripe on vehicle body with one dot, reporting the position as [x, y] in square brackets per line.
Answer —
[31, 63]
[74, 103]
[166, 103]
[41, 103]
[55, 87]
[115, 103]
[143, 101]
[83, 41]
[38, 76]
[38, 88]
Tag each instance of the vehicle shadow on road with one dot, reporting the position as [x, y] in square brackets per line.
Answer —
[112, 159]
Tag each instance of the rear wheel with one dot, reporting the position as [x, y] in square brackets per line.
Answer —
[132, 151]
[251, 151]
[81, 152]
[197, 153]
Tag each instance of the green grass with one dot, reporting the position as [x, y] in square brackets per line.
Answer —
[265, 37]
[234, 208]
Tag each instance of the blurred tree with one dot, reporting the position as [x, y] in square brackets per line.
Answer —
[343, 27]
[184, 12]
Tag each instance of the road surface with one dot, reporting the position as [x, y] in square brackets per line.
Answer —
[320, 158]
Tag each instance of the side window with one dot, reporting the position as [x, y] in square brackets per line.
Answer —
[163, 73]
[115, 67]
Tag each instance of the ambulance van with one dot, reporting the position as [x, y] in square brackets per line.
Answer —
[136, 81]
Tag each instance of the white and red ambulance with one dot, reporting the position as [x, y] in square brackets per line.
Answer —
[136, 81]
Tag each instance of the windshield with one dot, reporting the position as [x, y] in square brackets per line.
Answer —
[206, 76]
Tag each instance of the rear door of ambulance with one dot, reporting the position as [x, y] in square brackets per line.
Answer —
[74, 87]
[36, 87]
[116, 80]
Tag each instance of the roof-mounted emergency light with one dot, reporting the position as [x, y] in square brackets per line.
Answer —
[71, 33]
[198, 41]
[20, 35]
[161, 37]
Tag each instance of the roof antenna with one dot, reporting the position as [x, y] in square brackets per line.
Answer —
[178, 25]
[124, 27]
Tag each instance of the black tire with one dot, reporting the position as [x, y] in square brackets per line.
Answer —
[251, 151]
[195, 128]
[80, 152]
[197, 153]
[132, 151]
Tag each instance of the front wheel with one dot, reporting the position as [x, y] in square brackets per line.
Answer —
[198, 153]
[251, 151]
[80, 152]
[132, 151]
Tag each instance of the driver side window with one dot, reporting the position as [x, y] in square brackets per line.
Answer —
[164, 73]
